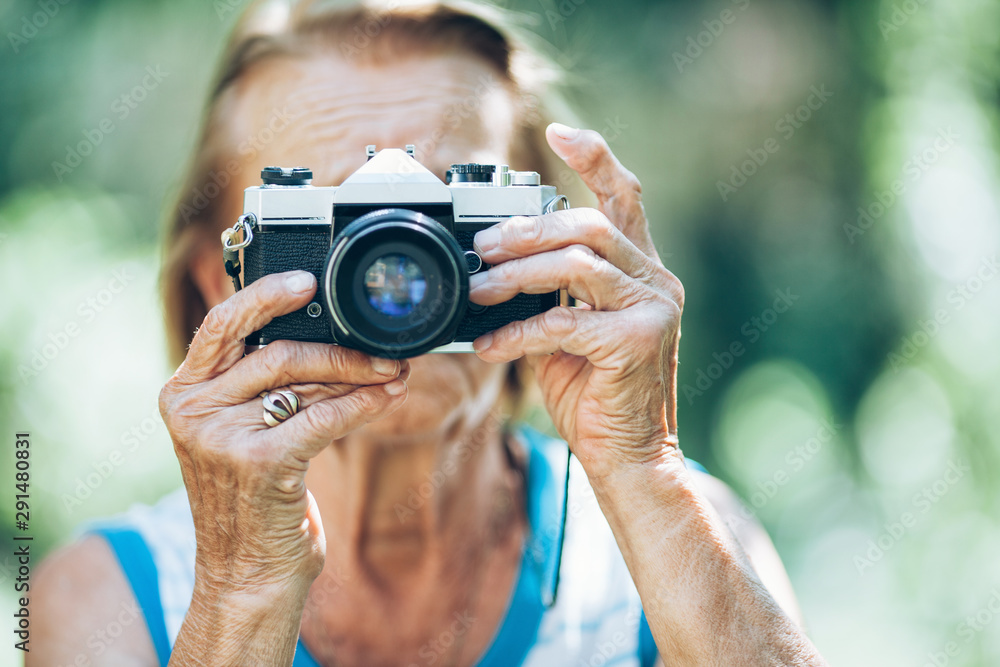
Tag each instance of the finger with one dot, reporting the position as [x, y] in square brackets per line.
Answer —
[250, 415]
[218, 344]
[520, 236]
[618, 190]
[313, 429]
[577, 269]
[592, 334]
[561, 329]
[288, 362]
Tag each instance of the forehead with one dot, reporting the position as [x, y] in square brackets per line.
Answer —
[321, 112]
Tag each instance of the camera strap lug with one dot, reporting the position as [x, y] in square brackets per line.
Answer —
[231, 247]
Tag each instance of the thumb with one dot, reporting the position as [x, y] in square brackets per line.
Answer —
[561, 139]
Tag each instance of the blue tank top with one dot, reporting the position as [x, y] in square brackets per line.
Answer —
[596, 619]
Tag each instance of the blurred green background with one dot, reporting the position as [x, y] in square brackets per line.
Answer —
[822, 175]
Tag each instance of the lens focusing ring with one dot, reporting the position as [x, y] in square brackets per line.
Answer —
[426, 242]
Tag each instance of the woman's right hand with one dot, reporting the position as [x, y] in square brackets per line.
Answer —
[257, 526]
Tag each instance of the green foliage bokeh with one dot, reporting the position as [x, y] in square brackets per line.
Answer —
[839, 358]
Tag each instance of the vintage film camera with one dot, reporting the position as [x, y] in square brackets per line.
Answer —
[391, 249]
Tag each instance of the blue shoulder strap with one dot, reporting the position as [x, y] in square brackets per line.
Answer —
[302, 656]
[548, 476]
[536, 583]
[140, 570]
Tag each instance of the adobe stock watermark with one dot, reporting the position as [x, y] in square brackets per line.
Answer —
[608, 650]
[87, 312]
[121, 108]
[913, 169]
[31, 24]
[796, 460]
[102, 639]
[900, 16]
[362, 35]
[751, 332]
[434, 649]
[959, 297]
[202, 195]
[612, 130]
[417, 497]
[972, 625]
[460, 111]
[698, 44]
[566, 9]
[922, 503]
[131, 440]
[324, 588]
[224, 8]
[457, 113]
[786, 127]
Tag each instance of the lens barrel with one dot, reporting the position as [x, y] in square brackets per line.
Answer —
[396, 284]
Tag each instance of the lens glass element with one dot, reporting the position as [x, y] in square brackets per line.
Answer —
[395, 285]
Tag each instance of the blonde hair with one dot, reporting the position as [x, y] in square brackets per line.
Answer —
[365, 33]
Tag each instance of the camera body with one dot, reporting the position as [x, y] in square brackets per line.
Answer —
[391, 249]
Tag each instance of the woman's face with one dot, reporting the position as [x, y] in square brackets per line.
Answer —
[453, 108]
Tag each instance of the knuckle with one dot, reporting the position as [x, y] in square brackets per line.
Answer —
[370, 402]
[596, 148]
[282, 350]
[558, 322]
[166, 398]
[595, 227]
[630, 182]
[581, 258]
[181, 412]
[343, 359]
[512, 334]
[289, 484]
[277, 358]
[667, 314]
[522, 231]
[319, 416]
[505, 271]
[671, 286]
[677, 292]
[217, 321]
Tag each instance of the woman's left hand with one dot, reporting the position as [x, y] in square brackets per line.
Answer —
[607, 372]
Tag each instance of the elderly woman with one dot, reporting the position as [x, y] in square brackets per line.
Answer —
[400, 517]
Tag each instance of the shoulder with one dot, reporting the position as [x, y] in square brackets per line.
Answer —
[84, 595]
[85, 612]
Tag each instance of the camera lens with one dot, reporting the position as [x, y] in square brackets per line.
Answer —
[396, 284]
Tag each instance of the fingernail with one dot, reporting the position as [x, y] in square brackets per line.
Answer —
[384, 366]
[487, 239]
[565, 132]
[395, 388]
[477, 279]
[483, 343]
[300, 282]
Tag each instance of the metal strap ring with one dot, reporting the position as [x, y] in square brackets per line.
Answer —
[243, 224]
